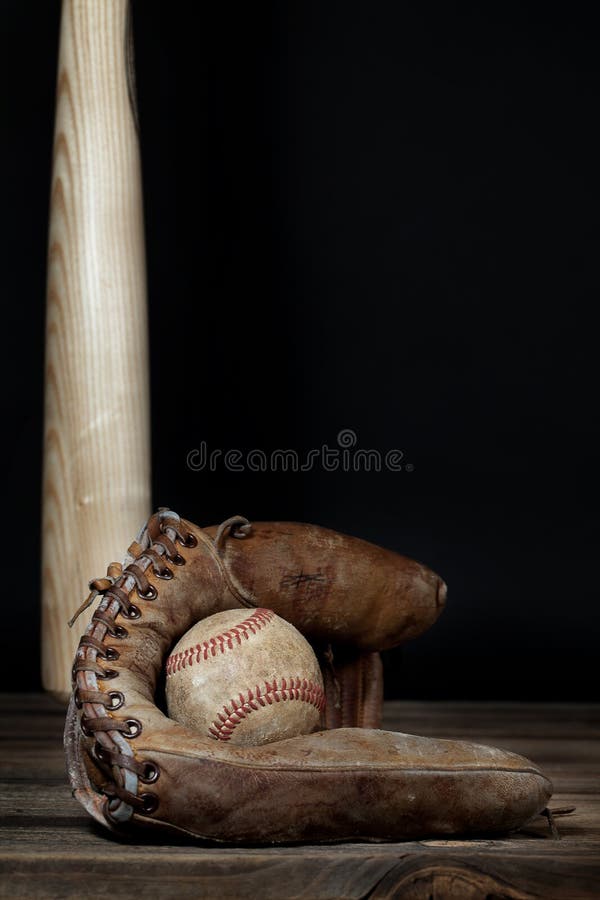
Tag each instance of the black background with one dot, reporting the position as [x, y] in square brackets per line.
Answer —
[369, 216]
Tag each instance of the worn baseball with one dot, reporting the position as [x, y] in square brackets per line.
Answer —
[245, 678]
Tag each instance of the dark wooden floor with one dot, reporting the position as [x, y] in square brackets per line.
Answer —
[50, 848]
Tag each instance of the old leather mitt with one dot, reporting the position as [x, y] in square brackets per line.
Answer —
[133, 767]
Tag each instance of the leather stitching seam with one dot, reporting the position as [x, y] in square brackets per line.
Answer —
[220, 643]
[288, 689]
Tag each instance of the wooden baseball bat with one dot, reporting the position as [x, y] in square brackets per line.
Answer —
[96, 484]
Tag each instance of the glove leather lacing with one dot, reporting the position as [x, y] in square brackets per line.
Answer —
[156, 545]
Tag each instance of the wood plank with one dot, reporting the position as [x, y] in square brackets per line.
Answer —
[51, 848]
[461, 878]
[523, 720]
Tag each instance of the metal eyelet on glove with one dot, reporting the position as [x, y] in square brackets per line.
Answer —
[108, 673]
[149, 802]
[99, 752]
[151, 773]
[189, 540]
[151, 593]
[135, 728]
[84, 728]
[166, 574]
[134, 612]
[117, 699]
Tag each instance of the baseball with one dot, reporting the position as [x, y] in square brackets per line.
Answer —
[245, 677]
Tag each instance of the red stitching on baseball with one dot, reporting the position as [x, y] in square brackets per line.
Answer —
[220, 642]
[291, 689]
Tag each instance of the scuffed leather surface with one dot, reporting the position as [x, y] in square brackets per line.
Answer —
[344, 784]
[341, 784]
[335, 588]
[353, 682]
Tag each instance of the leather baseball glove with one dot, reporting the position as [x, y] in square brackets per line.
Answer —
[133, 767]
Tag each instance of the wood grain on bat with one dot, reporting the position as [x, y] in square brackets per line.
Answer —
[96, 487]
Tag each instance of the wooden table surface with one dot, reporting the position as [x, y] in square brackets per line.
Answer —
[49, 847]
